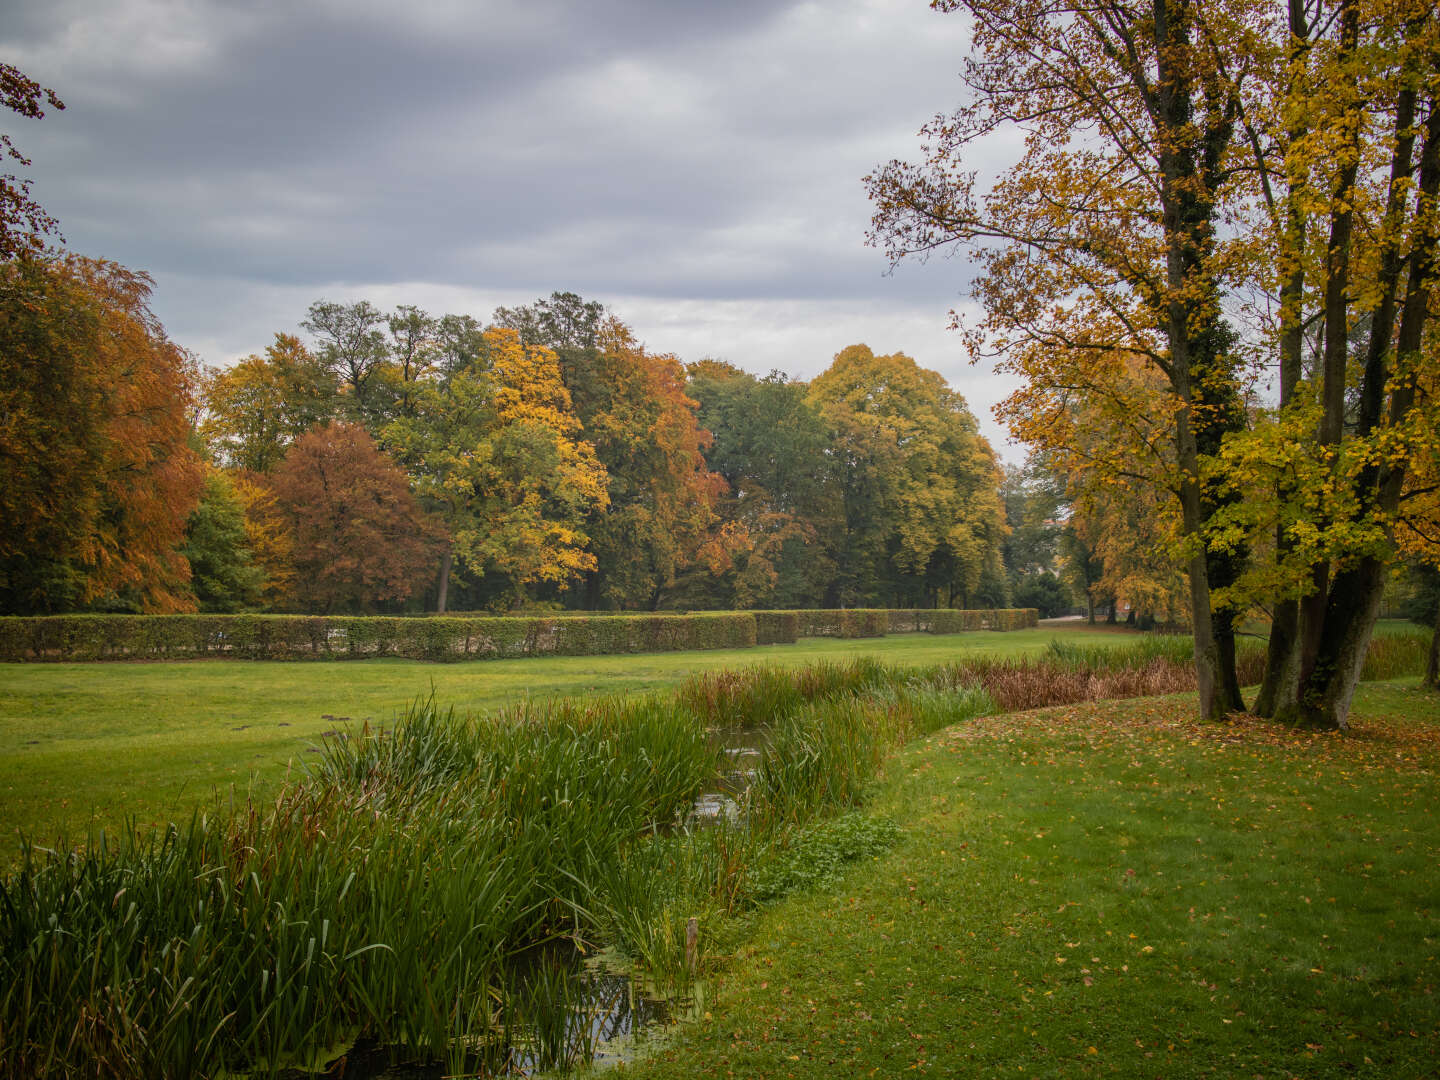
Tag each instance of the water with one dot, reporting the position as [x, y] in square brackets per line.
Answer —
[568, 1011]
[602, 1018]
[743, 749]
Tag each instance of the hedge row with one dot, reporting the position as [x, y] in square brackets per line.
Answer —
[777, 627]
[955, 621]
[449, 637]
[323, 637]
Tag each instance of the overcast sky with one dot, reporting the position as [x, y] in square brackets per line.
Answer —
[694, 165]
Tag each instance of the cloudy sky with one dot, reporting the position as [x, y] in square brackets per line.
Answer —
[695, 165]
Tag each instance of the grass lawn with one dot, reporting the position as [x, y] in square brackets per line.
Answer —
[1114, 890]
[96, 742]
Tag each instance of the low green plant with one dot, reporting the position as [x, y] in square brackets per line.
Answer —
[816, 856]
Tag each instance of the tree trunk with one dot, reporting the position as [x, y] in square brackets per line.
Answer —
[1282, 661]
[1200, 370]
[443, 593]
[1281, 683]
[1354, 605]
[1356, 593]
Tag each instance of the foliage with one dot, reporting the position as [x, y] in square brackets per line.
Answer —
[1102, 257]
[333, 637]
[255, 409]
[816, 856]
[497, 451]
[99, 476]
[1045, 592]
[222, 571]
[358, 536]
[23, 222]
[353, 349]
[781, 511]
[920, 485]
[632, 408]
[391, 923]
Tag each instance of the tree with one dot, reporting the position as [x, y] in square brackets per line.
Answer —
[496, 451]
[254, 410]
[268, 538]
[1351, 137]
[360, 540]
[24, 224]
[1045, 592]
[632, 407]
[1035, 511]
[352, 346]
[223, 574]
[920, 486]
[771, 447]
[97, 476]
[1102, 238]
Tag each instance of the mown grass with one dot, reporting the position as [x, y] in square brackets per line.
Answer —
[100, 742]
[1113, 889]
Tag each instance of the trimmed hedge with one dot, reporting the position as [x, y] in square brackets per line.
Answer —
[776, 627]
[325, 637]
[451, 637]
[954, 621]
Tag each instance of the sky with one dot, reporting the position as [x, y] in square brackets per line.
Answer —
[696, 166]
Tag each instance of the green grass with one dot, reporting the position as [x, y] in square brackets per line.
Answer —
[98, 742]
[1112, 889]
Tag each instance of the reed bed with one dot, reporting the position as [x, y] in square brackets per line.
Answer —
[385, 894]
[393, 891]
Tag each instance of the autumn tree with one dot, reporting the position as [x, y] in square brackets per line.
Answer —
[919, 484]
[1346, 160]
[268, 538]
[495, 450]
[256, 408]
[632, 407]
[1102, 238]
[24, 224]
[360, 540]
[97, 475]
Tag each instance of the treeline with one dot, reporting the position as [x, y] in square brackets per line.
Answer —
[399, 461]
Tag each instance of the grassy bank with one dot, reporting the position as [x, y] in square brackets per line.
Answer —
[100, 741]
[1113, 890]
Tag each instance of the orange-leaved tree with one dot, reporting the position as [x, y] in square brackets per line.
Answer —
[359, 540]
[99, 477]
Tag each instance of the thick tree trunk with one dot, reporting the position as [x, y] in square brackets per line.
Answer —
[443, 593]
[1282, 661]
[1281, 683]
[1354, 606]
[1199, 369]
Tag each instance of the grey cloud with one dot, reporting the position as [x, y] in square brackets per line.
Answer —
[681, 151]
